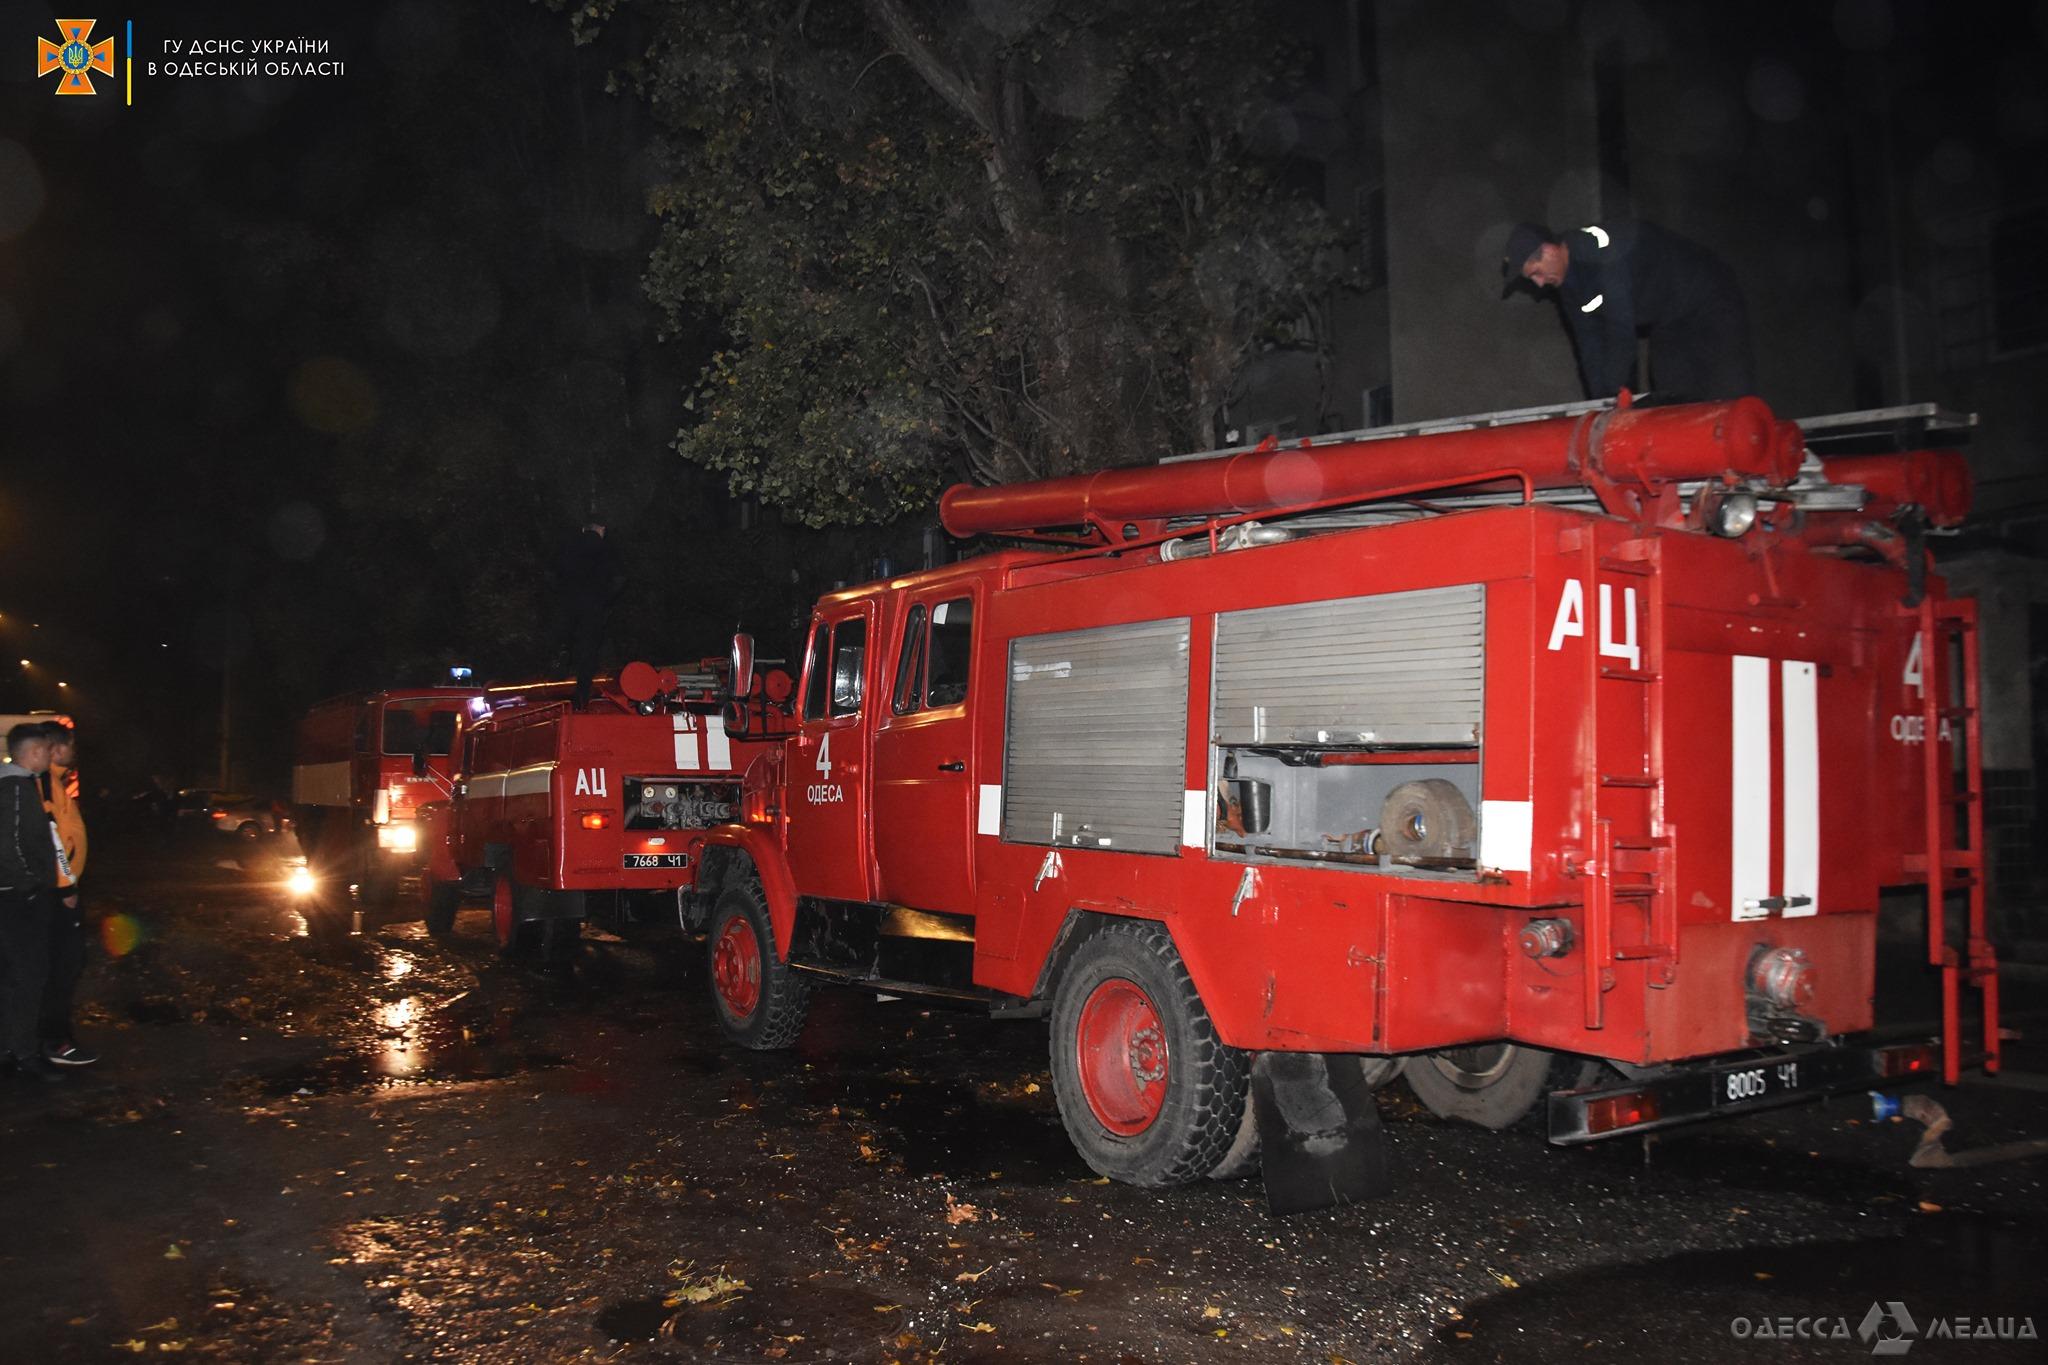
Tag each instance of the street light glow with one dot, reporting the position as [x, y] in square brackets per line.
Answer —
[26, 664]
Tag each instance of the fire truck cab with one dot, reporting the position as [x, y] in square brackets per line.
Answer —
[364, 765]
[1492, 753]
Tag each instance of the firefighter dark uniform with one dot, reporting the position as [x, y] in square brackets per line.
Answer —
[28, 879]
[1635, 277]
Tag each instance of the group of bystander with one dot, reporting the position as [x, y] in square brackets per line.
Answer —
[42, 928]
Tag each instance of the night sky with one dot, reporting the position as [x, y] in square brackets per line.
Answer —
[309, 377]
[304, 381]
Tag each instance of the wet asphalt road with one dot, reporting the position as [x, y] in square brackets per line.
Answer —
[376, 1147]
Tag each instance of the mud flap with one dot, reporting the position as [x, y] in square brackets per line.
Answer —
[1320, 1140]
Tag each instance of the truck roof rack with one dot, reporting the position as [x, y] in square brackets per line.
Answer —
[1866, 431]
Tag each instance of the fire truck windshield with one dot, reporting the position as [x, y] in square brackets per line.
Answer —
[419, 727]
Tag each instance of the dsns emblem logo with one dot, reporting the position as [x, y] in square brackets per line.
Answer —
[76, 58]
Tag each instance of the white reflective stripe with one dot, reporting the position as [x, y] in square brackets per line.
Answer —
[1194, 819]
[686, 743]
[485, 785]
[1592, 303]
[717, 748]
[527, 781]
[989, 818]
[1801, 804]
[1749, 780]
[1506, 834]
[1599, 234]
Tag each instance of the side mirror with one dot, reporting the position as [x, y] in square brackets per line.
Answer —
[738, 720]
[742, 665]
[419, 762]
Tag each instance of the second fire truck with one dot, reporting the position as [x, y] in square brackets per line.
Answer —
[559, 815]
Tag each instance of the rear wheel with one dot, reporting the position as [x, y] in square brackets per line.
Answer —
[1495, 1085]
[250, 830]
[515, 934]
[761, 1003]
[1147, 1092]
[442, 901]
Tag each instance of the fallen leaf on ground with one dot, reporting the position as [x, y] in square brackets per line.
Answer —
[970, 1276]
[704, 1290]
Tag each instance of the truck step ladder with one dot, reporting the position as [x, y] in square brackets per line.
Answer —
[1634, 865]
[1948, 629]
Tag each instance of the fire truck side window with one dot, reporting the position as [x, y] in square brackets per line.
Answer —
[401, 730]
[849, 652]
[910, 668]
[441, 733]
[952, 643]
[815, 679]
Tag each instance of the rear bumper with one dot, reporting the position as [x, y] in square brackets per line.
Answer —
[1726, 1086]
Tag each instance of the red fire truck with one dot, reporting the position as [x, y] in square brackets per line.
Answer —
[1516, 754]
[560, 815]
[364, 765]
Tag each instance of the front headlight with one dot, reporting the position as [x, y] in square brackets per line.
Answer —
[300, 883]
[1733, 515]
[398, 838]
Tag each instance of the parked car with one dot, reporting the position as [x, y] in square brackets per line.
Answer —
[248, 817]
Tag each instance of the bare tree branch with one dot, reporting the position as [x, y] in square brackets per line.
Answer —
[900, 28]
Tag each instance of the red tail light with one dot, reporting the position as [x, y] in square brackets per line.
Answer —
[1621, 1111]
[1911, 1061]
[595, 819]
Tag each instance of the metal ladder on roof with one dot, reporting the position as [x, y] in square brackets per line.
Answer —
[1948, 629]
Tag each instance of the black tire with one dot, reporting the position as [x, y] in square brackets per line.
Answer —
[443, 900]
[515, 933]
[1495, 1085]
[1156, 1099]
[249, 830]
[761, 1002]
[560, 938]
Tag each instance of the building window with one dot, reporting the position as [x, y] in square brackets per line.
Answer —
[1991, 288]
[1379, 405]
[1369, 202]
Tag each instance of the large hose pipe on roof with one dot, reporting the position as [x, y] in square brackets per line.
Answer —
[1733, 442]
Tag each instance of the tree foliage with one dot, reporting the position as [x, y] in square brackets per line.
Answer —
[998, 241]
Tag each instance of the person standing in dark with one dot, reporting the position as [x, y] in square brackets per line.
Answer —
[67, 918]
[28, 880]
[1612, 282]
[590, 580]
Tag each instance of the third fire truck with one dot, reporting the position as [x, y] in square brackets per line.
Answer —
[1544, 755]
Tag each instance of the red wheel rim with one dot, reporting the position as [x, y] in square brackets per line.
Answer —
[736, 967]
[1122, 1057]
[501, 911]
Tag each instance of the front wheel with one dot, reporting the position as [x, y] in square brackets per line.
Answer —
[1495, 1085]
[761, 1003]
[1148, 1093]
